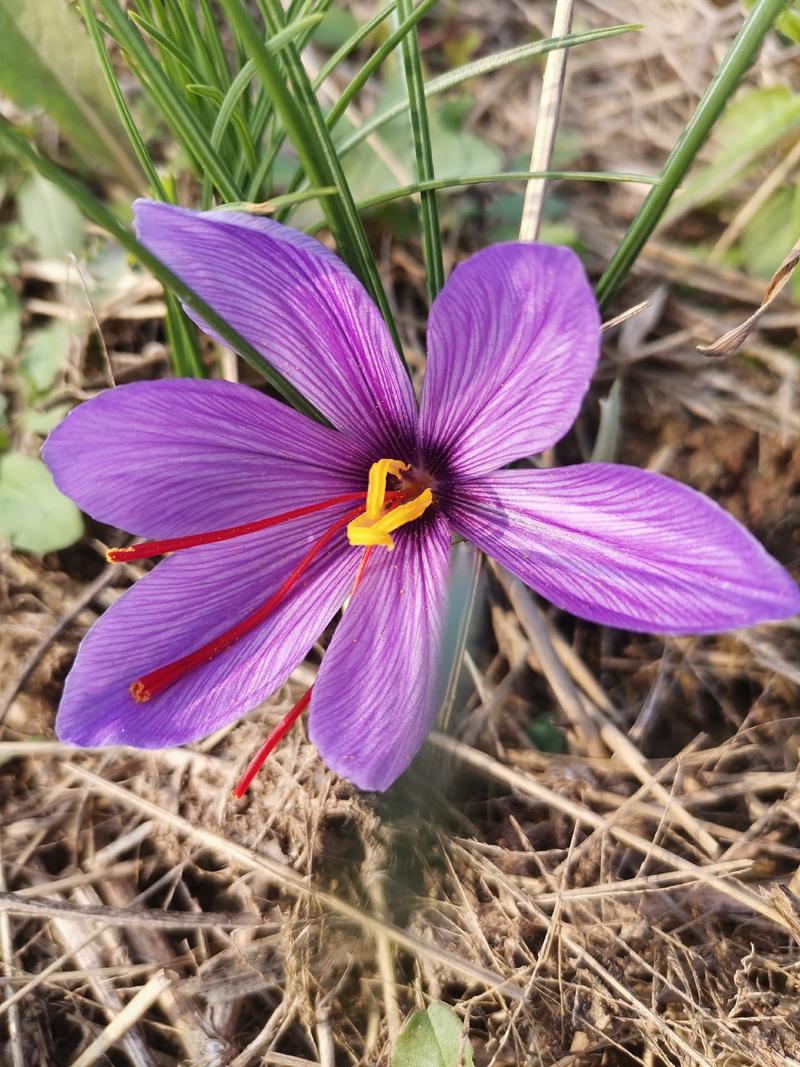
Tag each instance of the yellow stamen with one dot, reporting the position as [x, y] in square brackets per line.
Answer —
[374, 525]
[376, 487]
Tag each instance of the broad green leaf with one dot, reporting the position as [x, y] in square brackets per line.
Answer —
[43, 356]
[42, 422]
[52, 220]
[47, 63]
[12, 239]
[545, 734]
[336, 28]
[752, 126]
[771, 233]
[432, 1038]
[10, 313]
[457, 153]
[34, 516]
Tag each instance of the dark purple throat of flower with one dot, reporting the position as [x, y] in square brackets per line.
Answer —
[379, 513]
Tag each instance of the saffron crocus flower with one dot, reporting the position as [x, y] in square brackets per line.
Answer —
[271, 520]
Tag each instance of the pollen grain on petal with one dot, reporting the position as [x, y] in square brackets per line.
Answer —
[119, 555]
[140, 692]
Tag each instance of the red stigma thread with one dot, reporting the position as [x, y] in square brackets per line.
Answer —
[291, 717]
[173, 544]
[149, 685]
[277, 735]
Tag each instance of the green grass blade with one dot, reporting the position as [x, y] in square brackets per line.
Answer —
[184, 351]
[305, 126]
[478, 67]
[172, 105]
[97, 212]
[215, 47]
[268, 207]
[160, 14]
[298, 30]
[201, 49]
[168, 46]
[238, 87]
[445, 185]
[738, 58]
[365, 73]
[210, 92]
[377, 58]
[135, 138]
[352, 43]
[429, 215]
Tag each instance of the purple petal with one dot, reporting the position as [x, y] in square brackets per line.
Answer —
[168, 458]
[625, 547]
[304, 311]
[375, 698]
[189, 599]
[513, 340]
[273, 229]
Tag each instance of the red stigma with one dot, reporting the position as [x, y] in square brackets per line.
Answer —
[155, 682]
[277, 735]
[291, 717]
[173, 544]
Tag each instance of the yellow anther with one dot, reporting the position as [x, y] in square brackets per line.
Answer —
[374, 525]
[376, 487]
[365, 531]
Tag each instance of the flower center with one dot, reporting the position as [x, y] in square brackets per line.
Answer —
[376, 523]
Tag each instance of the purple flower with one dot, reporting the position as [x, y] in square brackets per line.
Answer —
[513, 340]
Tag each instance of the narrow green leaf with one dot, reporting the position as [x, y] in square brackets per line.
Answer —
[305, 126]
[376, 60]
[738, 58]
[210, 32]
[210, 92]
[168, 46]
[352, 43]
[46, 62]
[429, 215]
[472, 70]
[449, 184]
[183, 121]
[121, 104]
[789, 23]
[269, 207]
[184, 351]
[365, 73]
[607, 440]
[196, 44]
[299, 28]
[34, 516]
[237, 89]
[462, 597]
[99, 214]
